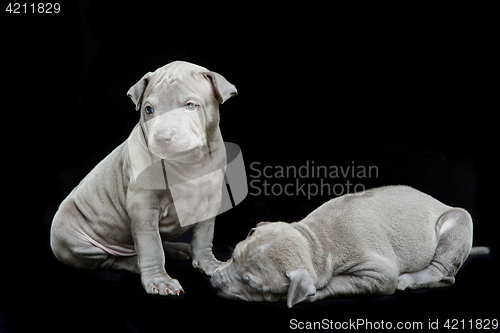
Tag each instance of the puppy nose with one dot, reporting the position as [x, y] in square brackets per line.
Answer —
[168, 137]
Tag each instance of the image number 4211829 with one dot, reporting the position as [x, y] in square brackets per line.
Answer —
[33, 8]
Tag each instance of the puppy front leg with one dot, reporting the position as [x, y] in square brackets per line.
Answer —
[369, 279]
[201, 246]
[150, 255]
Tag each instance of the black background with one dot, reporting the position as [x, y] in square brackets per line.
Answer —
[404, 90]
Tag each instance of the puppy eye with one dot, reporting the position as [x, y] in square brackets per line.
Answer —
[191, 106]
[149, 110]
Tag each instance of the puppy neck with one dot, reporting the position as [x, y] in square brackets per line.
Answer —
[315, 247]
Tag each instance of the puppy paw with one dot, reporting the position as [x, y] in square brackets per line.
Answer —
[161, 285]
[404, 281]
[207, 264]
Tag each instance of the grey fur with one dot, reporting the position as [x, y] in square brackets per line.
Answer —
[374, 242]
[111, 219]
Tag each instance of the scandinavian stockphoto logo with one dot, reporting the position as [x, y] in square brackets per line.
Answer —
[309, 179]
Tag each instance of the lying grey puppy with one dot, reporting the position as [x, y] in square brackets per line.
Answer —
[374, 242]
[123, 213]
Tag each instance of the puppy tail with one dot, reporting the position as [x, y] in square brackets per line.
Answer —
[479, 250]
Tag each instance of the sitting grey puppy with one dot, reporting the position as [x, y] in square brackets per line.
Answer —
[123, 213]
[374, 242]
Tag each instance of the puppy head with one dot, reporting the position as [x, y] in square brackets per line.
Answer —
[273, 263]
[179, 105]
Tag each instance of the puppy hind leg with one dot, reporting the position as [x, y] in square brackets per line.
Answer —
[454, 232]
[377, 277]
[430, 277]
[78, 254]
[123, 263]
[73, 249]
[90, 257]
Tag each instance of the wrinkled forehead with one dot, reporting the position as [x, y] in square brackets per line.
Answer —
[175, 84]
[251, 249]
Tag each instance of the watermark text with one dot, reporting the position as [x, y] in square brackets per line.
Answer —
[309, 179]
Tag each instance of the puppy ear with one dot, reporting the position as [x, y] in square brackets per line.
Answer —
[251, 232]
[136, 92]
[222, 88]
[301, 286]
[260, 224]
